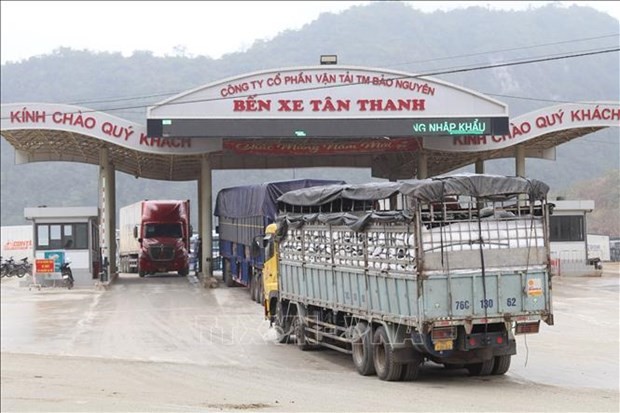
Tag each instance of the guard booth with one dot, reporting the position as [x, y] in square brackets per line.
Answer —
[65, 233]
[569, 241]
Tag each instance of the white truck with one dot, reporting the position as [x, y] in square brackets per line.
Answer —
[446, 269]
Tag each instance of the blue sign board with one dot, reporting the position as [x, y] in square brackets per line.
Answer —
[58, 257]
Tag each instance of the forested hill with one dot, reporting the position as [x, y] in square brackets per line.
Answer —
[390, 35]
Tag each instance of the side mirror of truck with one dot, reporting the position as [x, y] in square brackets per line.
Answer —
[140, 240]
[256, 246]
[266, 240]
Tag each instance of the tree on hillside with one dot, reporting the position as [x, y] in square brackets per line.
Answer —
[605, 191]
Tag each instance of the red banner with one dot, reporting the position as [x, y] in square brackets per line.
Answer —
[44, 265]
[318, 147]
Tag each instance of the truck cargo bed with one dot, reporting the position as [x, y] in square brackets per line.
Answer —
[377, 275]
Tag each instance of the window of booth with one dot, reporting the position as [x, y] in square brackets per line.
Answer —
[62, 236]
[567, 228]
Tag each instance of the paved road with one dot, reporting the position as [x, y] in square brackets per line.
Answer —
[166, 344]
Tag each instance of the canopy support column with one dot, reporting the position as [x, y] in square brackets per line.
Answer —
[422, 166]
[479, 166]
[520, 168]
[206, 222]
[199, 258]
[520, 161]
[107, 226]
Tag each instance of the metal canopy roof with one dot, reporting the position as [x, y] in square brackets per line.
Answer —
[133, 153]
[53, 145]
[48, 145]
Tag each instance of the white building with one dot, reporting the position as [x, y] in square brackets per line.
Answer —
[599, 247]
[66, 233]
[569, 240]
[16, 242]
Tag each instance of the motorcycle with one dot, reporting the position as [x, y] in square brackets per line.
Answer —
[67, 275]
[23, 268]
[10, 268]
[7, 265]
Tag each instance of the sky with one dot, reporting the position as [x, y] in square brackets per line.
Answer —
[190, 28]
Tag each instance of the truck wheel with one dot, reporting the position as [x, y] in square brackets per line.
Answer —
[383, 355]
[226, 274]
[361, 345]
[184, 272]
[502, 364]
[481, 369]
[411, 371]
[282, 324]
[300, 335]
[253, 288]
[261, 290]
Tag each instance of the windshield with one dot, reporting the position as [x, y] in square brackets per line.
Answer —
[163, 230]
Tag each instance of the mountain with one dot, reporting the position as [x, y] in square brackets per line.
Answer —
[390, 35]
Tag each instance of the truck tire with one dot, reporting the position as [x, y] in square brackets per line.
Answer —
[300, 335]
[481, 369]
[411, 371]
[282, 324]
[253, 288]
[184, 272]
[226, 274]
[502, 364]
[362, 352]
[257, 289]
[385, 366]
[260, 290]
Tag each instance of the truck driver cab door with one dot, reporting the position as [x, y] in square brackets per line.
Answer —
[270, 271]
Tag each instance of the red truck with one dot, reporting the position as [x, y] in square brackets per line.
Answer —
[154, 237]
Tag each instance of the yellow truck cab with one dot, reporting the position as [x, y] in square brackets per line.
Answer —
[270, 271]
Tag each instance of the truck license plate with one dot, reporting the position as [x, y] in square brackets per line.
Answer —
[442, 345]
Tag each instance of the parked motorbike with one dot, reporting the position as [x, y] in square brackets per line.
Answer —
[23, 268]
[6, 266]
[67, 275]
[10, 268]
